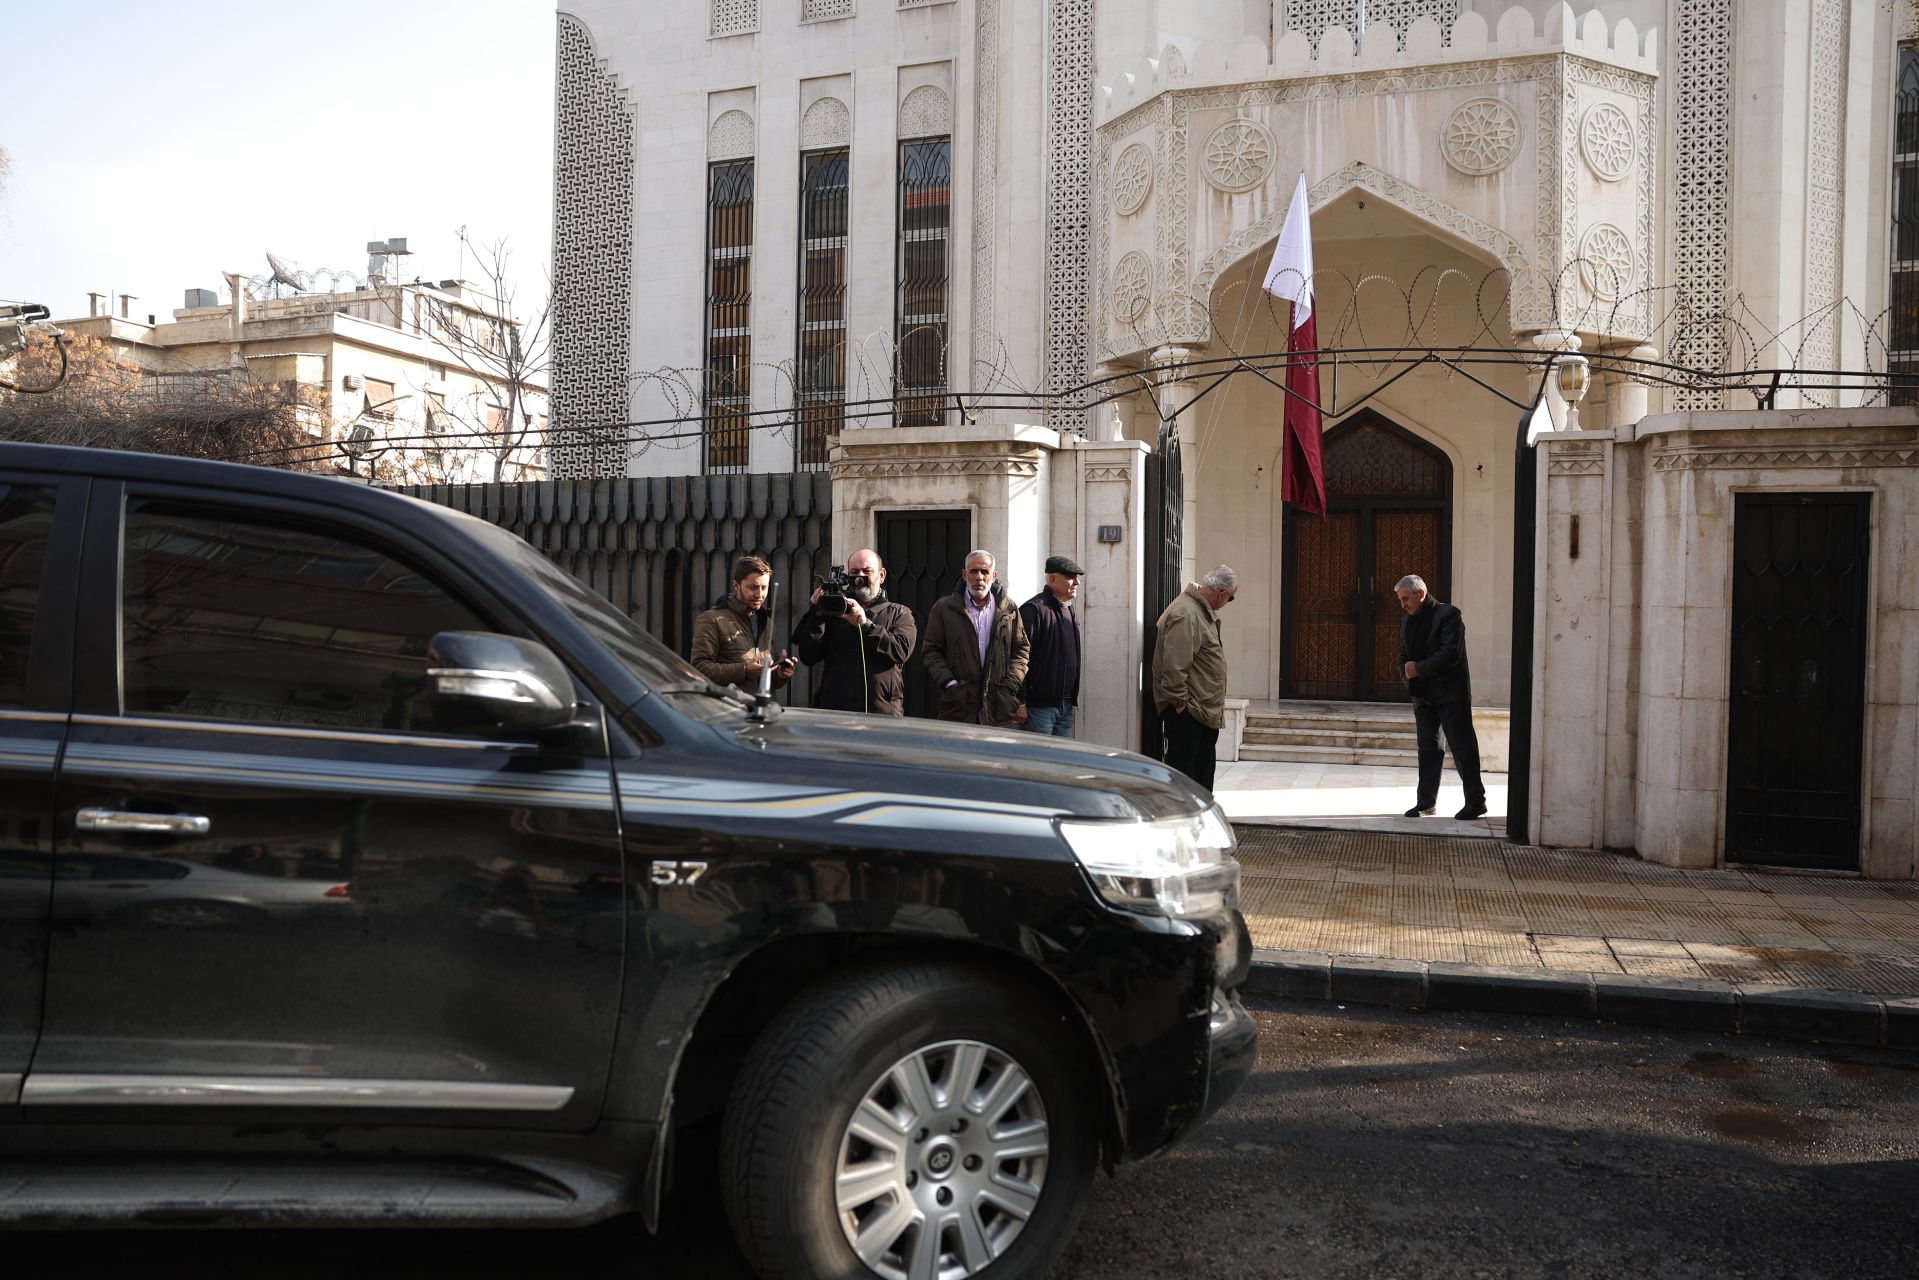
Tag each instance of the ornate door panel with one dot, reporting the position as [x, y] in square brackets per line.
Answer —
[1798, 673]
[1389, 513]
[1325, 640]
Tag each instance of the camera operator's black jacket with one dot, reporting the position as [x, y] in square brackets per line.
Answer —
[888, 639]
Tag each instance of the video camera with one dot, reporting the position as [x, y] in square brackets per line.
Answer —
[833, 590]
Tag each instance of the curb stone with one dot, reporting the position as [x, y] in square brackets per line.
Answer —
[1679, 1004]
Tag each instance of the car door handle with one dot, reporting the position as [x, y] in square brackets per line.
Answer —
[160, 824]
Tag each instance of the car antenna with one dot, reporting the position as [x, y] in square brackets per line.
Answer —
[763, 706]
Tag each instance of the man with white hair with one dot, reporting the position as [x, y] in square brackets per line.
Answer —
[1432, 656]
[1189, 674]
[976, 649]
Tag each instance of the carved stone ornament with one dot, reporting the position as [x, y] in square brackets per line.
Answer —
[1606, 140]
[731, 137]
[1606, 261]
[827, 123]
[1481, 137]
[1239, 155]
[1132, 286]
[926, 113]
[1132, 179]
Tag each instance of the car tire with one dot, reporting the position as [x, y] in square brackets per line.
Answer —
[886, 1108]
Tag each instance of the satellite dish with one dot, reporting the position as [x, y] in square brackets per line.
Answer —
[283, 274]
[359, 440]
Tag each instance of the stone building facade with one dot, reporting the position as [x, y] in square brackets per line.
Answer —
[753, 258]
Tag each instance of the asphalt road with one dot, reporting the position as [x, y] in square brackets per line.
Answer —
[1378, 1144]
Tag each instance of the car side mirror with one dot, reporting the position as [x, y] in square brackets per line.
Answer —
[485, 682]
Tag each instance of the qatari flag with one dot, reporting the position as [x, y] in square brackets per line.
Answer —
[1302, 476]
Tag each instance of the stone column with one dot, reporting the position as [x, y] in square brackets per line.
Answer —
[1175, 391]
[1110, 487]
[1631, 400]
[1572, 658]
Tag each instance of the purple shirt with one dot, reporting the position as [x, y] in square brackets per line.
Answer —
[982, 619]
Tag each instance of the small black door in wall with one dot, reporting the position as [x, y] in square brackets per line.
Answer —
[924, 552]
[1798, 678]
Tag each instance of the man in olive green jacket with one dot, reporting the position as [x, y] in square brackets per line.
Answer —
[729, 639]
[1189, 674]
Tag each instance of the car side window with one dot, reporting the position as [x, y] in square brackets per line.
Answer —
[26, 517]
[235, 619]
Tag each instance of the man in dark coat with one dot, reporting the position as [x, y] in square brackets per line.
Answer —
[1052, 677]
[976, 649]
[863, 649]
[1432, 654]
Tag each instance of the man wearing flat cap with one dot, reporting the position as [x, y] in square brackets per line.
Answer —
[1052, 671]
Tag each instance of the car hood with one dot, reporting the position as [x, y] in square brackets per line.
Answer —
[982, 766]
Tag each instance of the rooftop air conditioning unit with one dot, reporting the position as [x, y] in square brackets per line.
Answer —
[352, 382]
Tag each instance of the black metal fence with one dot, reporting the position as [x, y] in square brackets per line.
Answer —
[662, 550]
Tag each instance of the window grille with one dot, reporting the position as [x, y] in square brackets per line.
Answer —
[821, 385]
[729, 334]
[735, 17]
[924, 222]
[1902, 339]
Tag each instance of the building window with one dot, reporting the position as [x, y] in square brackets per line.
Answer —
[822, 304]
[379, 399]
[825, 10]
[1902, 336]
[735, 17]
[925, 211]
[729, 295]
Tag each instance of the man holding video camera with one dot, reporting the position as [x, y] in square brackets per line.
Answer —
[860, 638]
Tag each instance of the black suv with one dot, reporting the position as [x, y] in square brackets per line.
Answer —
[358, 864]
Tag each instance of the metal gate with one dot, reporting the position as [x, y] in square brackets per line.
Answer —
[1798, 678]
[1165, 516]
[924, 553]
[662, 550]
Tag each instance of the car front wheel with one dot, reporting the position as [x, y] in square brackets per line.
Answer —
[912, 1123]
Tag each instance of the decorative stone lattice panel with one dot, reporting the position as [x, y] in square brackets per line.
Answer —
[1069, 187]
[1132, 286]
[735, 17]
[1606, 261]
[1312, 17]
[1481, 136]
[985, 159]
[1132, 179]
[1606, 140]
[592, 262]
[731, 137]
[1239, 155]
[1702, 189]
[926, 113]
[827, 123]
[820, 10]
[1705, 457]
[1826, 180]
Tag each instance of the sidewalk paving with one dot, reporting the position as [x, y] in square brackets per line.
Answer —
[1359, 910]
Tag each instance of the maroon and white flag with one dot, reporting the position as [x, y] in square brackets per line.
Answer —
[1302, 476]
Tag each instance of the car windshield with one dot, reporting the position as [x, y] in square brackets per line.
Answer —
[661, 670]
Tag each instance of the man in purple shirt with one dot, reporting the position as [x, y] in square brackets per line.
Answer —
[975, 648]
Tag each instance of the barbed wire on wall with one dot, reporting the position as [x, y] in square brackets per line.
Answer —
[1374, 331]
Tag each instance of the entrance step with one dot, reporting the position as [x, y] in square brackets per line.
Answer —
[1363, 733]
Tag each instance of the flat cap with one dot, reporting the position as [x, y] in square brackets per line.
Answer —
[1063, 564]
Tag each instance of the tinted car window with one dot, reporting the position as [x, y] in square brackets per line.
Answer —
[239, 620]
[26, 514]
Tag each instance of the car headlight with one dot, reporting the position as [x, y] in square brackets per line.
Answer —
[1172, 867]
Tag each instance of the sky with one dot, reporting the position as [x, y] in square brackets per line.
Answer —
[155, 147]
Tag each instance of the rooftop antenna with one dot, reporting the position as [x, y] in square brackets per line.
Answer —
[283, 274]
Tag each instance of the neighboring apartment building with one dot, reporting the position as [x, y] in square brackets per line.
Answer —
[768, 209]
[390, 385]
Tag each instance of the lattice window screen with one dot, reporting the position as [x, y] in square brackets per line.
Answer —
[1702, 190]
[819, 10]
[735, 17]
[1313, 17]
[1069, 185]
[592, 263]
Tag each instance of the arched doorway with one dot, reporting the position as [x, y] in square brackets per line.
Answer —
[1389, 512]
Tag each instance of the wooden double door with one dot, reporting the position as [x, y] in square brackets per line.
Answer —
[1388, 514]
